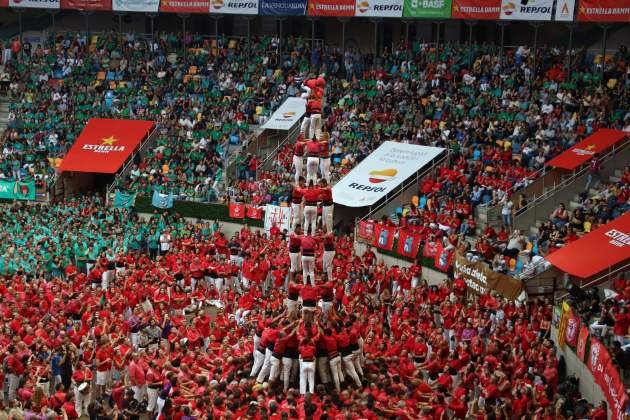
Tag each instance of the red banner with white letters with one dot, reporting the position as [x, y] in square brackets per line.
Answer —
[185, 6]
[366, 231]
[237, 210]
[604, 11]
[573, 329]
[408, 243]
[607, 377]
[476, 9]
[584, 151]
[253, 212]
[104, 5]
[331, 7]
[582, 342]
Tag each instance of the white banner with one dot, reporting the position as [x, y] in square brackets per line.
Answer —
[526, 9]
[135, 5]
[287, 114]
[380, 172]
[234, 7]
[36, 4]
[379, 8]
[279, 216]
[565, 10]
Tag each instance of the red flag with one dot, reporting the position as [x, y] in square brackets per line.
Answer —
[408, 243]
[573, 328]
[443, 257]
[366, 231]
[607, 377]
[384, 236]
[430, 249]
[253, 212]
[581, 343]
[237, 210]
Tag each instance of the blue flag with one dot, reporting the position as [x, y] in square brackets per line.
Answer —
[162, 201]
[124, 199]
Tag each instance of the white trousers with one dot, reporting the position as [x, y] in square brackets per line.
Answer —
[14, 382]
[348, 365]
[327, 218]
[291, 307]
[294, 258]
[139, 391]
[289, 371]
[308, 268]
[259, 359]
[312, 163]
[326, 307]
[266, 367]
[296, 216]
[310, 220]
[81, 401]
[307, 377]
[152, 395]
[106, 278]
[324, 168]
[274, 371]
[298, 165]
[315, 128]
[305, 127]
[337, 372]
[327, 263]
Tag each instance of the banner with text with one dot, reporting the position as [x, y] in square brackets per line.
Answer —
[278, 216]
[565, 10]
[331, 7]
[185, 6]
[607, 377]
[282, 7]
[476, 9]
[35, 4]
[604, 11]
[234, 7]
[151, 6]
[427, 9]
[526, 9]
[379, 8]
[16, 190]
[481, 279]
[103, 5]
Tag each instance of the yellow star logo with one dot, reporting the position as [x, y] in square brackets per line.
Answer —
[456, 7]
[583, 10]
[591, 147]
[109, 141]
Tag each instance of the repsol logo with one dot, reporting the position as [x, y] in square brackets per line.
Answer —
[241, 5]
[535, 9]
[387, 7]
[362, 187]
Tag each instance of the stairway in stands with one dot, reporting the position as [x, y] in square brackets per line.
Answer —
[4, 114]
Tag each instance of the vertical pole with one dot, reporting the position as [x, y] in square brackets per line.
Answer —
[569, 51]
[19, 12]
[376, 51]
[280, 39]
[249, 37]
[152, 19]
[312, 33]
[184, 17]
[536, 27]
[343, 34]
[216, 30]
[437, 41]
[406, 33]
[470, 43]
[120, 25]
[502, 45]
[604, 42]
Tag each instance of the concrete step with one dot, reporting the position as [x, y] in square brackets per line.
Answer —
[574, 205]
[618, 173]
[615, 179]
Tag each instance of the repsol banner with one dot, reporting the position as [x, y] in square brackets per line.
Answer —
[379, 8]
[526, 9]
[282, 7]
[481, 279]
[234, 7]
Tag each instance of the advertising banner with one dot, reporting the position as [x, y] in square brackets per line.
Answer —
[366, 231]
[607, 377]
[16, 190]
[234, 7]
[381, 172]
[278, 216]
[287, 115]
[476, 9]
[384, 236]
[35, 4]
[331, 7]
[151, 6]
[440, 9]
[104, 145]
[185, 6]
[604, 11]
[408, 243]
[481, 279]
[526, 9]
[565, 10]
[584, 151]
[581, 344]
[253, 212]
[282, 7]
[573, 329]
[236, 210]
[379, 8]
[103, 5]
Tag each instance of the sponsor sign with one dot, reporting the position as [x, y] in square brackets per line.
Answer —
[136, 5]
[604, 11]
[564, 10]
[105, 5]
[479, 278]
[283, 7]
[17, 190]
[185, 6]
[476, 9]
[427, 9]
[35, 4]
[104, 145]
[381, 172]
[279, 216]
[526, 9]
[287, 115]
[379, 8]
[607, 377]
[234, 7]
[331, 7]
[582, 152]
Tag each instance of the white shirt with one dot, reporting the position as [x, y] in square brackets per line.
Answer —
[165, 242]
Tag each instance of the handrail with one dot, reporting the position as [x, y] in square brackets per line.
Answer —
[600, 278]
[567, 181]
[511, 191]
[273, 153]
[405, 185]
[131, 158]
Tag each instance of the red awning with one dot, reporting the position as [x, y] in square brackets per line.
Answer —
[596, 251]
[582, 152]
[104, 145]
